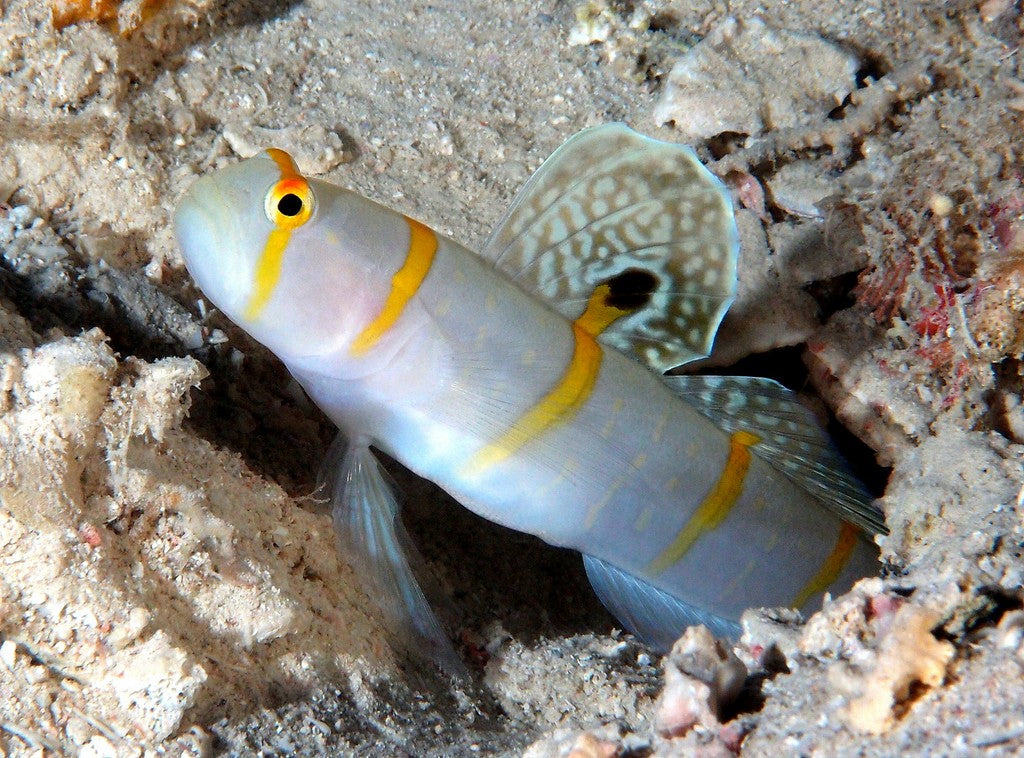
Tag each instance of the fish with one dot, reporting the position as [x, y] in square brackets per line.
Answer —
[529, 382]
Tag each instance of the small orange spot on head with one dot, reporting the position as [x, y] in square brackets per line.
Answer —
[292, 184]
[284, 162]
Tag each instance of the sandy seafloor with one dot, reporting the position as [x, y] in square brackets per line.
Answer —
[167, 585]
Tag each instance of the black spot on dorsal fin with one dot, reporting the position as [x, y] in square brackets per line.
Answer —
[631, 289]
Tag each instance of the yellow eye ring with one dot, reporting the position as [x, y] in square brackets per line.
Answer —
[289, 203]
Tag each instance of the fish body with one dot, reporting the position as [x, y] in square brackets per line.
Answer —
[521, 380]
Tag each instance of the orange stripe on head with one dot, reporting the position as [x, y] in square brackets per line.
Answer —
[404, 284]
[284, 162]
[716, 505]
[288, 205]
[268, 272]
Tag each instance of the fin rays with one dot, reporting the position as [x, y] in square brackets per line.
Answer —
[610, 200]
[791, 439]
[648, 611]
[373, 540]
[591, 223]
[511, 243]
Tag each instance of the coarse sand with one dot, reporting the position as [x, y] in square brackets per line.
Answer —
[169, 582]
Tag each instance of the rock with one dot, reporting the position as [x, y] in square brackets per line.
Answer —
[570, 743]
[772, 308]
[799, 187]
[315, 148]
[702, 677]
[151, 576]
[748, 78]
[583, 682]
[771, 637]
[908, 656]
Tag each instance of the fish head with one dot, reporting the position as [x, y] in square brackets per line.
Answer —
[269, 248]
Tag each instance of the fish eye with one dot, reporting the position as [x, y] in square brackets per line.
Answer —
[289, 203]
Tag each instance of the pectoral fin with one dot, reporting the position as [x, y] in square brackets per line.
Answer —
[373, 540]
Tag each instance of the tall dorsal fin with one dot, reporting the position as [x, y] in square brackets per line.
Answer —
[614, 207]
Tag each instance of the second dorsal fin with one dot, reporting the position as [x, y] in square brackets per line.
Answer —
[613, 207]
[790, 440]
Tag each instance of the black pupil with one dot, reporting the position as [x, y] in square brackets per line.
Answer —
[289, 205]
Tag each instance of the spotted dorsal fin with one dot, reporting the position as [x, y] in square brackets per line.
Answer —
[644, 217]
[789, 439]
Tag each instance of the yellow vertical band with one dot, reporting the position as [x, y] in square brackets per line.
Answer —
[268, 267]
[716, 505]
[576, 385]
[404, 284]
[558, 405]
[832, 566]
[268, 271]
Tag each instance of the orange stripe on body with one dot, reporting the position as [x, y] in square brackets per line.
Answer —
[572, 391]
[557, 406]
[716, 506]
[832, 566]
[404, 284]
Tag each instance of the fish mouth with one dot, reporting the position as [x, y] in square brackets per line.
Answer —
[207, 232]
[204, 222]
